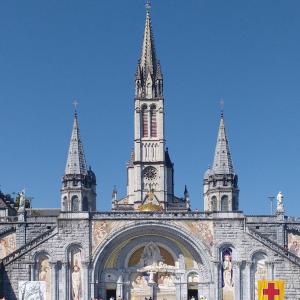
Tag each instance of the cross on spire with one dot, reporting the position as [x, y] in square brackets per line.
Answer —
[271, 292]
[222, 103]
[148, 6]
[75, 103]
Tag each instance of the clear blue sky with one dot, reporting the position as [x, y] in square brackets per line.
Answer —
[246, 52]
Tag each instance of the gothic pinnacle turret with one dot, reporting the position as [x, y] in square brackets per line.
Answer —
[220, 182]
[78, 192]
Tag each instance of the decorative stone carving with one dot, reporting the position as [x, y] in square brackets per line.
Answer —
[294, 243]
[7, 245]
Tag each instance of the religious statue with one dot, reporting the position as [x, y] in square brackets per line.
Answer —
[22, 201]
[151, 277]
[151, 255]
[295, 248]
[76, 283]
[44, 270]
[280, 202]
[228, 289]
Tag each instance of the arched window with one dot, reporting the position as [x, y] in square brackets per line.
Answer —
[214, 203]
[144, 121]
[75, 204]
[65, 204]
[153, 121]
[224, 203]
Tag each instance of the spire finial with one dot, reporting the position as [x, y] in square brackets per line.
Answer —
[75, 103]
[148, 6]
[222, 103]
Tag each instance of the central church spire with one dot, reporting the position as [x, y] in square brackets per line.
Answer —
[148, 77]
[150, 169]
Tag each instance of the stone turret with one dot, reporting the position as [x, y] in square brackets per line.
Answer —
[78, 192]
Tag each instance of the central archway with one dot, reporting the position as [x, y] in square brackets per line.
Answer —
[150, 259]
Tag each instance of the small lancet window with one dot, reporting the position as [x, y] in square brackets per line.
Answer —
[145, 122]
[153, 121]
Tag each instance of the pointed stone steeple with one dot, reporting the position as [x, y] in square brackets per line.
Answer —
[76, 162]
[221, 191]
[150, 171]
[222, 162]
[148, 77]
[148, 61]
[78, 192]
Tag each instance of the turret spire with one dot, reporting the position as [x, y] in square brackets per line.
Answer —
[222, 162]
[76, 163]
[221, 192]
[78, 192]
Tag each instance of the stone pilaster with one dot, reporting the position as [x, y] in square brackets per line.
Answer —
[270, 270]
[85, 280]
[217, 270]
[120, 287]
[31, 271]
[62, 281]
[53, 282]
[237, 279]
[246, 286]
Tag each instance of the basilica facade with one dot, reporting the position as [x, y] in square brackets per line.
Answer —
[151, 243]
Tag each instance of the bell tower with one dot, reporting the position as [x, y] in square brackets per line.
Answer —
[150, 170]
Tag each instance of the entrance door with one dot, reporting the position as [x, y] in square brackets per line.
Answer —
[192, 293]
[111, 294]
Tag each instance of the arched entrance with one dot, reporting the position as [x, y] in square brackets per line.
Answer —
[150, 260]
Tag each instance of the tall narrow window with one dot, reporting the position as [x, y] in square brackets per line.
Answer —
[144, 121]
[214, 205]
[75, 204]
[153, 121]
[224, 203]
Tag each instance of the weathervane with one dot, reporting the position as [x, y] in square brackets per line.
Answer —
[148, 6]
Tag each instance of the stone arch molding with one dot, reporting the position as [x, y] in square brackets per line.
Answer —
[171, 231]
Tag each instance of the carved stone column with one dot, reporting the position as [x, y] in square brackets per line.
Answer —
[63, 286]
[247, 282]
[237, 279]
[53, 282]
[178, 285]
[217, 270]
[120, 287]
[85, 280]
[270, 270]
[31, 271]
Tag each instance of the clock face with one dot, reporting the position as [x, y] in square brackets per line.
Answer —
[150, 173]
